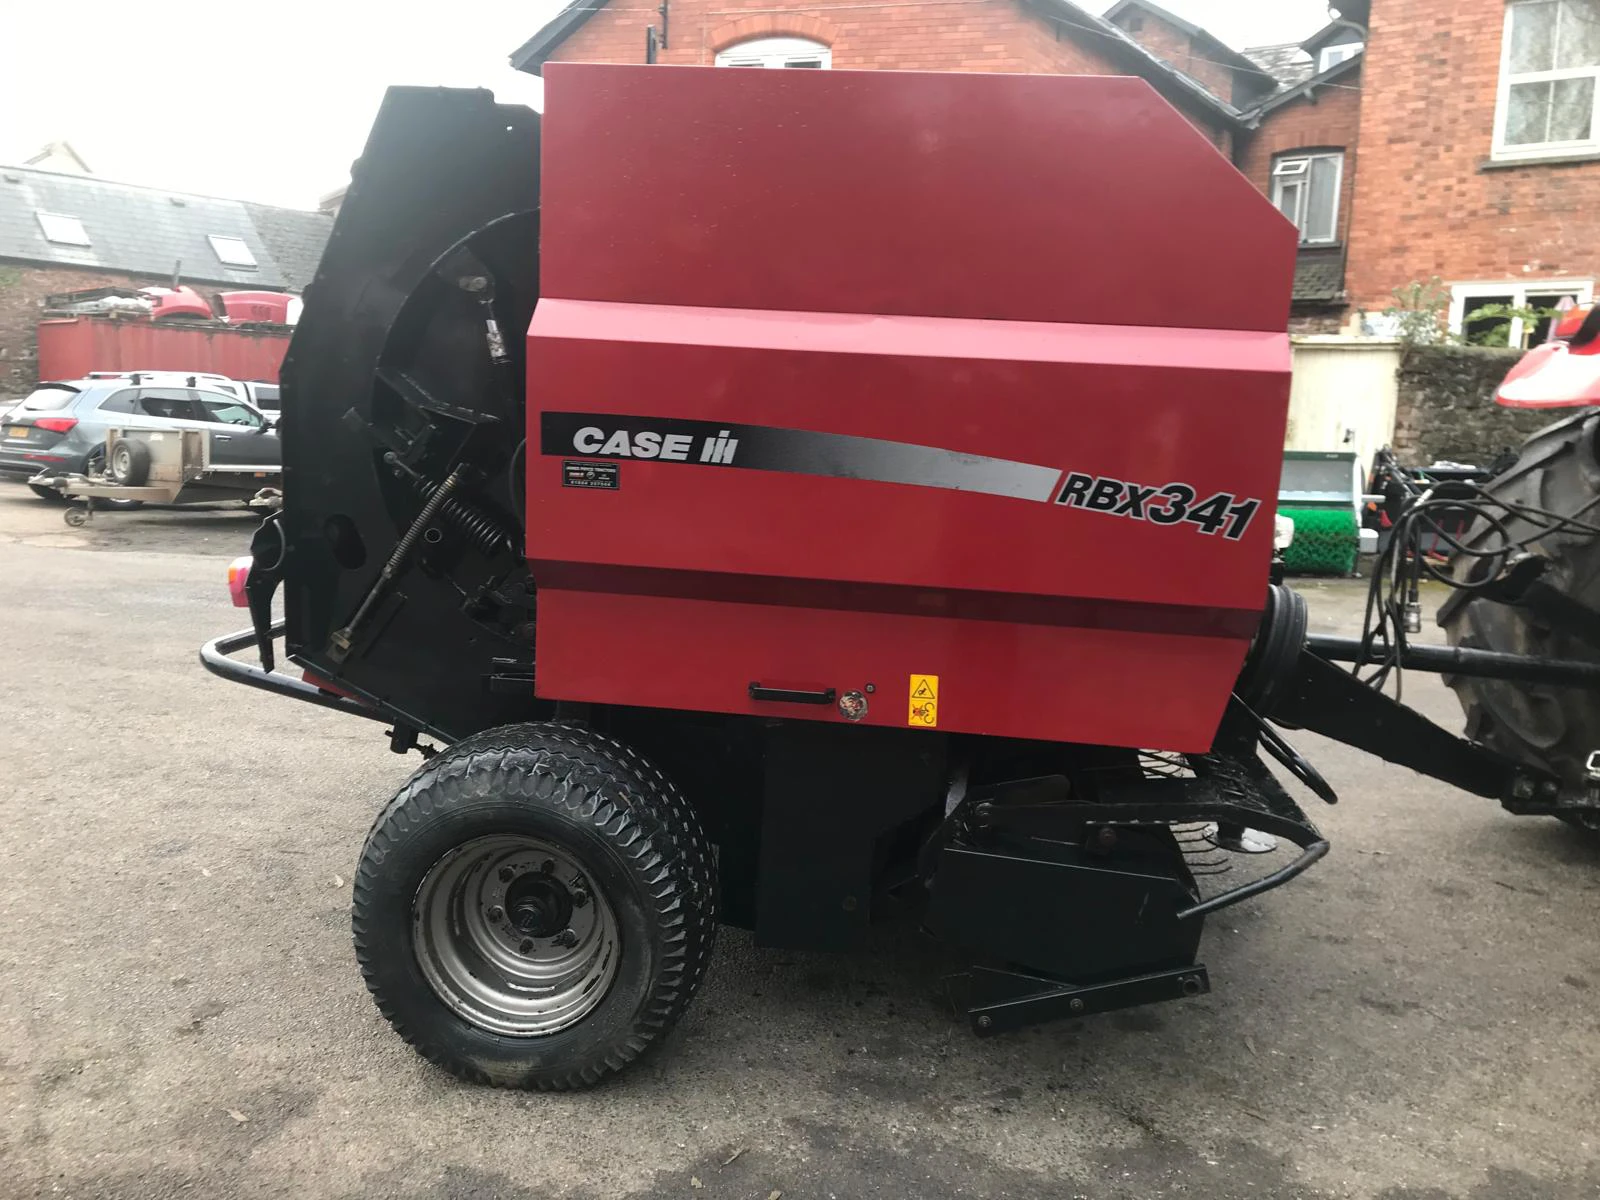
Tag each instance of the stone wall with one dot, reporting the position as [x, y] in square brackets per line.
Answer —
[1446, 408]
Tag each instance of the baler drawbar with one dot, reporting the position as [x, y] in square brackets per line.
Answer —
[799, 549]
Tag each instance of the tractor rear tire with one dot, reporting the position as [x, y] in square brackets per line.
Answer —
[535, 908]
[1558, 469]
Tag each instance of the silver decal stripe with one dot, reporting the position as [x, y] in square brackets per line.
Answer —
[613, 436]
[798, 451]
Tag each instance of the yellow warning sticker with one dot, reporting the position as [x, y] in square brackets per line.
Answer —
[924, 701]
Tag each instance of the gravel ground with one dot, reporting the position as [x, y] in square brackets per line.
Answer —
[180, 1012]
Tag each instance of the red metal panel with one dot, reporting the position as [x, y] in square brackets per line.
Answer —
[1020, 197]
[71, 347]
[893, 499]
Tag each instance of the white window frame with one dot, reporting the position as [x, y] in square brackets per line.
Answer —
[775, 52]
[1499, 151]
[1519, 290]
[232, 251]
[1283, 175]
[1332, 56]
[62, 230]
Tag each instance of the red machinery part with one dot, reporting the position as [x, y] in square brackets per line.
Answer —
[951, 408]
[177, 303]
[271, 308]
[1563, 372]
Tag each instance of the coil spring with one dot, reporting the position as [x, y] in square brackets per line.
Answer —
[482, 530]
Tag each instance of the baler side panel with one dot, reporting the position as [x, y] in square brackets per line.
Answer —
[1010, 197]
[869, 472]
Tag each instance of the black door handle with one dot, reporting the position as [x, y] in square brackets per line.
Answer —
[790, 695]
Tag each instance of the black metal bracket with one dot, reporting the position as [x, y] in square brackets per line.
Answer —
[792, 695]
[1002, 1001]
[1333, 702]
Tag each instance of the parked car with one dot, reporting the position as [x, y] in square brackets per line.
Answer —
[259, 392]
[263, 395]
[62, 426]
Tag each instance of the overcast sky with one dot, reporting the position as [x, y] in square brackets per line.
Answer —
[271, 101]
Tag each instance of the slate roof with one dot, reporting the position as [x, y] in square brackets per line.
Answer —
[1289, 64]
[1307, 87]
[148, 231]
[1319, 276]
[294, 238]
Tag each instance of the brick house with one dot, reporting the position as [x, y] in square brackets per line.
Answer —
[63, 230]
[1482, 165]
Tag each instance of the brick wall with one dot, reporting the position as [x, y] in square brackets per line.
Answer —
[22, 292]
[981, 36]
[1424, 204]
[978, 35]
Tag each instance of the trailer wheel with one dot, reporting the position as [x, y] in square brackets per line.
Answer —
[1558, 470]
[535, 908]
[129, 463]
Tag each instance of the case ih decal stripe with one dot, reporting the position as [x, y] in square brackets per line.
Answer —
[845, 456]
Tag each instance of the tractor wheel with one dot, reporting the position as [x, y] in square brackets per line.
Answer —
[1557, 728]
[535, 908]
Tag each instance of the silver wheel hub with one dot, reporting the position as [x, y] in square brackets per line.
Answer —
[513, 936]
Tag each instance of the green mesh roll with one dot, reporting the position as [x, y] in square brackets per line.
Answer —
[1326, 541]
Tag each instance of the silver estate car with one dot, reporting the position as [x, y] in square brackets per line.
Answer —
[61, 427]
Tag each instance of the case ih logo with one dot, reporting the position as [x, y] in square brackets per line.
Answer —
[594, 441]
[844, 456]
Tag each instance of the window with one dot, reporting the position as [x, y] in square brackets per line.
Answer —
[231, 251]
[230, 412]
[1549, 61]
[64, 231]
[1332, 56]
[1305, 187]
[1477, 310]
[119, 402]
[170, 404]
[48, 399]
[777, 52]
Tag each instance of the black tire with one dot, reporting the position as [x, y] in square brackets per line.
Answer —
[45, 493]
[1556, 728]
[129, 462]
[640, 846]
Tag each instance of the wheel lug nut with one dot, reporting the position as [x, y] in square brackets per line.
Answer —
[579, 899]
[526, 945]
[506, 874]
[566, 938]
[547, 867]
[496, 912]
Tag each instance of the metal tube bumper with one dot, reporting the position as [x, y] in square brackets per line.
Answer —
[216, 654]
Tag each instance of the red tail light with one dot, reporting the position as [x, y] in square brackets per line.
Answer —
[56, 424]
[238, 576]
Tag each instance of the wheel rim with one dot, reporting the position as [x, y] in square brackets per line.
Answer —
[121, 462]
[512, 935]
